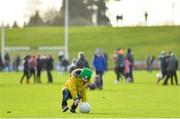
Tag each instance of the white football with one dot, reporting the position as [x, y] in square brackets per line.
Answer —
[159, 76]
[84, 107]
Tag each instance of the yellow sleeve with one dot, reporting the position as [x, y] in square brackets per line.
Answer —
[84, 95]
[72, 85]
[84, 92]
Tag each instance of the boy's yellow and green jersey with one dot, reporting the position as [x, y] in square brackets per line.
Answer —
[76, 85]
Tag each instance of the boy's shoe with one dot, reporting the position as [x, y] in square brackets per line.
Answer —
[72, 110]
[65, 108]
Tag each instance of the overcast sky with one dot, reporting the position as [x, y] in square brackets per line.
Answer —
[160, 12]
[11, 10]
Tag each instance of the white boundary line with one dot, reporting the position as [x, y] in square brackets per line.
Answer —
[17, 48]
[51, 48]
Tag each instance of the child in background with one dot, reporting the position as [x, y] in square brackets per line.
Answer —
[127, 70]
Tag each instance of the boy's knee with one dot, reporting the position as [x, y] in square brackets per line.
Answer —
[66, 94]
[65, 91]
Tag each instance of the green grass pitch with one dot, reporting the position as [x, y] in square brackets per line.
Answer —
[142, 99]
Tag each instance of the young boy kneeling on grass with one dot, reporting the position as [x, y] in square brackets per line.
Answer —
[75, 88]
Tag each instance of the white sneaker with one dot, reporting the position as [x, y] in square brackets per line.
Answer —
[65, 108]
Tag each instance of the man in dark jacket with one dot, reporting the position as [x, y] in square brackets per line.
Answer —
[171, 69]
[39, 68]
[26, 70]
[17, 63]
[49, 68]
[163, 65]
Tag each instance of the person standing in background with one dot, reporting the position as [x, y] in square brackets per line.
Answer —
[17, 63]
[7, 61]
[163, 65]
[26, 69]
[81, 61]
[171, 69]
[39, 68]
[130, 57]
[49, 68]
[99, 64]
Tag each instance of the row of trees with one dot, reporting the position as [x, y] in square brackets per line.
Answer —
[81, 12]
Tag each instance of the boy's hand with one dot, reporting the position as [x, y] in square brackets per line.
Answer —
[78, 96]
[76, 102]
[77, 99]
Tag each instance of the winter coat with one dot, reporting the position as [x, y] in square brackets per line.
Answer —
[172, 64]
[163, 63]
[99, 63]
[49, 63]
[82, 63]
[76, 85]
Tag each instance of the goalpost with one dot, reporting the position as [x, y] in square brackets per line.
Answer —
[26, 48]
[2, 42]
[66, 21]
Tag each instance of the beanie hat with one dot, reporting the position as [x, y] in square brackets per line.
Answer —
[86, 73]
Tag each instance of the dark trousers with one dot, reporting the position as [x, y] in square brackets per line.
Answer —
[67, 95]
[171, 74]
[38, 76]
[96, 84]
[100, 73]
[164, 74]
[119, 71]
[33, 73]
[50, 78]
[131, 74]
[25, 74]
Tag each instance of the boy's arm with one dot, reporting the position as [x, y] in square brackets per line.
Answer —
[84, 96]
[84, 93]
[72, 88]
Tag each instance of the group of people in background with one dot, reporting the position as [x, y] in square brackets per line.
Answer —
[6, 64]
[168, 68]
[33, 66]
[123, 66]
